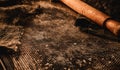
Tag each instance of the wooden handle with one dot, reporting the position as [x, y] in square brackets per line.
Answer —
[93, 14]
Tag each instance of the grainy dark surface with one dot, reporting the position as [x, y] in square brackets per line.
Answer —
[51, 40]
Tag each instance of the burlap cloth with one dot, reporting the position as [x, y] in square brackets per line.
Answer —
[46, 38]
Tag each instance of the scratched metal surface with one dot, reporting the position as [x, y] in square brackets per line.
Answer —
[51, 41]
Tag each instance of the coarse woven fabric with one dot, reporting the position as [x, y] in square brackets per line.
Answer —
[51, 41]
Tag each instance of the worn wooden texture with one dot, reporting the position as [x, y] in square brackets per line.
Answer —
[51, 40]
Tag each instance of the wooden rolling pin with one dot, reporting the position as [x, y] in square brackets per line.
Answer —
[94, 14]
